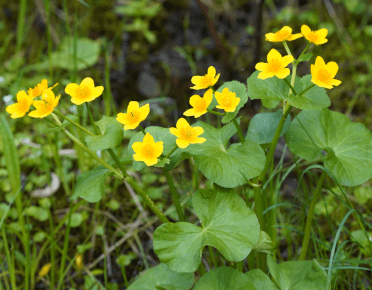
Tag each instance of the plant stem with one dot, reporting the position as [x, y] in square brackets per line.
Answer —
[239, 130]
[310, 215]
[290, 86]
[96, 129]
[216, 113]
[305, 90]
[74, 123]
[171, 152]
[143, 130]
[21, 25]
[302, 53]
[287, 48]
[52, 251]
[9, 260]
[174, 194]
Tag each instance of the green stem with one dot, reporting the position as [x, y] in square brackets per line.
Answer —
[147, 199]
[171, 152]
[74, 123]
[52, 251]
[58, 161]
[290, 86]
[216, 113]
[287, 48]
[239, 130]
[20, 28]
[302, 53]
[143, 130]
[310, 216]
[213, 257]
[96, 129]
[9, 260]
[305, 90]
[174, 194]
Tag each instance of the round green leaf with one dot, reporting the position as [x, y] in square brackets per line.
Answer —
[76, 220]
[298, 275]
[39, 237]
[229, 167]
[314, 99]
[161, 276]
[112, 134]
[226, 224]
[262, 127]
[38, 213]
[89, 185]
[348, 145]
[260, 280]
[224, 278]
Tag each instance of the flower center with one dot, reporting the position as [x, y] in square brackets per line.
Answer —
[133, 116]
[147, 150]
[187, 132]
[226, 102]
[312, 36]
[275, 64]
[283, 34]
[324, 75]
[200, 106]
[206, 80]
[83, 91]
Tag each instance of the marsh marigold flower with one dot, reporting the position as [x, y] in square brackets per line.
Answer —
[39, 88]
[79, 261]
[317, 37]
[227, 100]
[199, 104]
[276, 65]
[186, 134]
[19, 109]
[45, 270]
[85, 92]
[134, 116]
[46, 106]
[323, 74]
[284, 34]
[203, 82]
[147, 151]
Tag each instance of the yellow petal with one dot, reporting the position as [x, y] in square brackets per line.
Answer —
[194, 100]
[190, 112]
[218, 97]
[87, 82]
[148, 139]
[122, 118]
[138, 157]
[287, 28]
[151, 161]
[269, 36]
[133, 106]
[208, 97]
[198, 130]
[182, 123]
[282, 73]
[273, 54]
[211, 71]
[236, 102]
[71, 89]
[261, 66]
[199, 140]
[294, 36]
[182, 143]
[131, 126]
[158, 148]
[144, 112]
[322, 33]
[319, 62]
[22, 97]
[175, 132]
[137, 147]
[77, 101]
[265, 75]
[215, 80]
[286, 60]
[335, 82]
[332, 67]
[39, 105]
[97, 91]
[56, 101]
[305, 30]
[196, 80]
[321, 41]
[36, 114]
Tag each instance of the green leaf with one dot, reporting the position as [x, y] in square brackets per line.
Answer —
[226, 224]
[159, 134]
[224, 278]
[262, 127]
[112, 134]
[298, 275]
[38, 213]
[314, 99]
[305, 57]
[348, 145]
[265, 244]
[89, 185]
[76, 220]
[241, 92]
[271, 91]
[260, 280]
[161, 275]
[229, 167]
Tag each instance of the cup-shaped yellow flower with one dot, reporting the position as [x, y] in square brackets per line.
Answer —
[45, 270]
[276, 65]
[186, 134]
[227, 100]
[323, 74]
[85, 92]
[79, 261]
[199, 104]
[284, 34]
[39, 88]
[134, 116]
[19, 109]
[46, 106]
[317, 37]
[147, 151]
[203, 82]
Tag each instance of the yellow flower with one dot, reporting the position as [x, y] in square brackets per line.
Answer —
[147, 151]
[46, 106]
[187, 134]
[323, 74]
[79, 261]
[19, 109]
[134, 116]
[203, 82]
[39, 88]
[284, 34]
[317, 37]
[45, 270]
[227, 100]
[85, 92]
[200, 105]
[276, 65]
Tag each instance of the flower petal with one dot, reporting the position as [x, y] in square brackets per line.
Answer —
[122, 118]
[194, 100]
[208, 97]
[261, 66]
[321, 41]
[144, 112]
[319, 62]
[332, 68]
[190, 112]
[175, 132]
[199, 140]
[282, 73]
[335, 82]
[137, 147]
[71, 89]
[87, 82]
[273, 54]
[286, 60]
[196, 80]
[294, 36]
[181, 123]
[22, 97]
[97, 91]
[211, 72]
[198, 130]
[151, 161]
[269, 36]
[182, 143]
[133, 106]
[215, 80]
[158, 148]
[305, 30]
[322, 33]
[148, 139]
[265, 75]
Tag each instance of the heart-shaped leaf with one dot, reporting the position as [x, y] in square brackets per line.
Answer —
[298, 275]
[305, 57]
[89, 185]
[224, 278]
[262, 127]
[161, 277]
[265, 244]
[348, 144]
[112, 135]
[260, 280]
[229, 167]
[226, 224]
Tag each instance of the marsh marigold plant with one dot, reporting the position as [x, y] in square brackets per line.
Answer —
[284, 34]
[187, 134]
[317, 37]
[22, 106]
[85, 92]
[134, 116]
[206, 81]
[276, 65]
[323, 74]
[199, 104]
[147, 151]
[46, 106]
